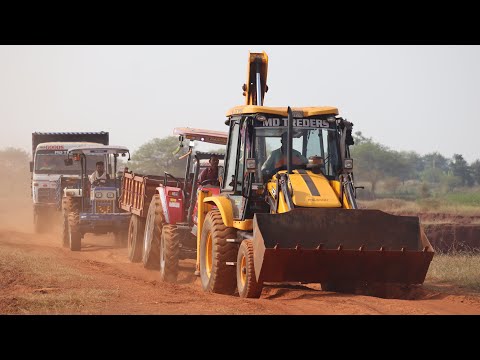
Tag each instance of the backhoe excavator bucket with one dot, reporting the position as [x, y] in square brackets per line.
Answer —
[340, 246]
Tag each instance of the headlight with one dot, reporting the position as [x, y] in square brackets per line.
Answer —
[98, 195]
[110, 195]
[70, 193]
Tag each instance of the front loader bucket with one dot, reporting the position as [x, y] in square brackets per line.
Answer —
[340, 246]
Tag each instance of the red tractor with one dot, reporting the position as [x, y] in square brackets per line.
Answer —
[163, 226]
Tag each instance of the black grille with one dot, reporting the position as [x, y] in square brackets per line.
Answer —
[46, 195]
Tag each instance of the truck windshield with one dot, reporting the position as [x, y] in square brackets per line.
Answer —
[47, 162]
[271, 149]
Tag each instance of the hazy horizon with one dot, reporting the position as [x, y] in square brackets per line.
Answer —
[409, 98]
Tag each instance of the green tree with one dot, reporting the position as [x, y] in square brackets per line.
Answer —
[461, 169]
[475, 169]
[156, 156]
[450, 182]
[432, 175]
[435, 160]
[371, 161]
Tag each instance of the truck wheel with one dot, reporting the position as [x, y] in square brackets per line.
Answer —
[216, 276]
[121, 238]
[169, 253]
[65, 234]
[39, 220]
[74, 235]
[247, 284]
[151, 238]
[136, 229]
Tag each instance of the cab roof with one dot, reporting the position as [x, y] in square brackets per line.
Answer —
[64, 145]
[283, 111]
[209, 136]
[99, 149]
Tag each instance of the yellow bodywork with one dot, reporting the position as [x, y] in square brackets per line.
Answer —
[283, 111]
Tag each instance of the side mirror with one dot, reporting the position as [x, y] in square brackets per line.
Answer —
[68, 162]
[348, 165]
[251, 165]
[31, 166]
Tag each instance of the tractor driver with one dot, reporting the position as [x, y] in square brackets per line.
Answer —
[210, 173]
[278, 159]
[99, 173]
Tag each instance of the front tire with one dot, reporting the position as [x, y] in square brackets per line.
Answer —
[136, 230]
[169, 253]
[247, 284]
[216, 276]
[69, 204]
[75, 237]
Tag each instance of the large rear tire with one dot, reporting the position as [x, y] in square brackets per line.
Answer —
[169, 253]
[75, 237]
[247, 284]
[153, 231]
[216, 276]
[136, 231]
[40, 221]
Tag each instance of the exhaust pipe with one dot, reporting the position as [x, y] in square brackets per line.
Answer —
[289, 141]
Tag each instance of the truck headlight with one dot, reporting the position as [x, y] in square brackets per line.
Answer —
[110, 195]
[98, 195]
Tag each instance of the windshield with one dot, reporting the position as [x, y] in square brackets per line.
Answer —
[52, 162]
[271, 149]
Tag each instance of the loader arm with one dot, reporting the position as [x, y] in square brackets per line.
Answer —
[256, 87]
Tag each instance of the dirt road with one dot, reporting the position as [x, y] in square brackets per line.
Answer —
[37, 275]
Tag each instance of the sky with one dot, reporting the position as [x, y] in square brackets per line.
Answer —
[413, 98]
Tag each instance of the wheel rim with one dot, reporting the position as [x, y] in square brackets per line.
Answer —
[243, 271]
[208, 255]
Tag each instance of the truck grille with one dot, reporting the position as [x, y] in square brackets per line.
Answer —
[104, 206]
[46, 195]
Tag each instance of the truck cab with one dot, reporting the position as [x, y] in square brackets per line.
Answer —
[51, 178]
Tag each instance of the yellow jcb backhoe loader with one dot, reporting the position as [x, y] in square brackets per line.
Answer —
[287, 211]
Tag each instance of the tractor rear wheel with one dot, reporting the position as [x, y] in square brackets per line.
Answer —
[136, 229]
[153, 231]
[215, 252]
[169, 253]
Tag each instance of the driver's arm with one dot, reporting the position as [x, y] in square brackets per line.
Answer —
[202, 176]
[301, 157]
[268, 165]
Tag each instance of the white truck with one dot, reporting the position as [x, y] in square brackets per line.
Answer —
[51, 178]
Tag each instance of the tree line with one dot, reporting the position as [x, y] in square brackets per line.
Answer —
[375, 162]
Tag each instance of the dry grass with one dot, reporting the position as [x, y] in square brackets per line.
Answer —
[36, 284]
[461, 269]
[421, 206]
